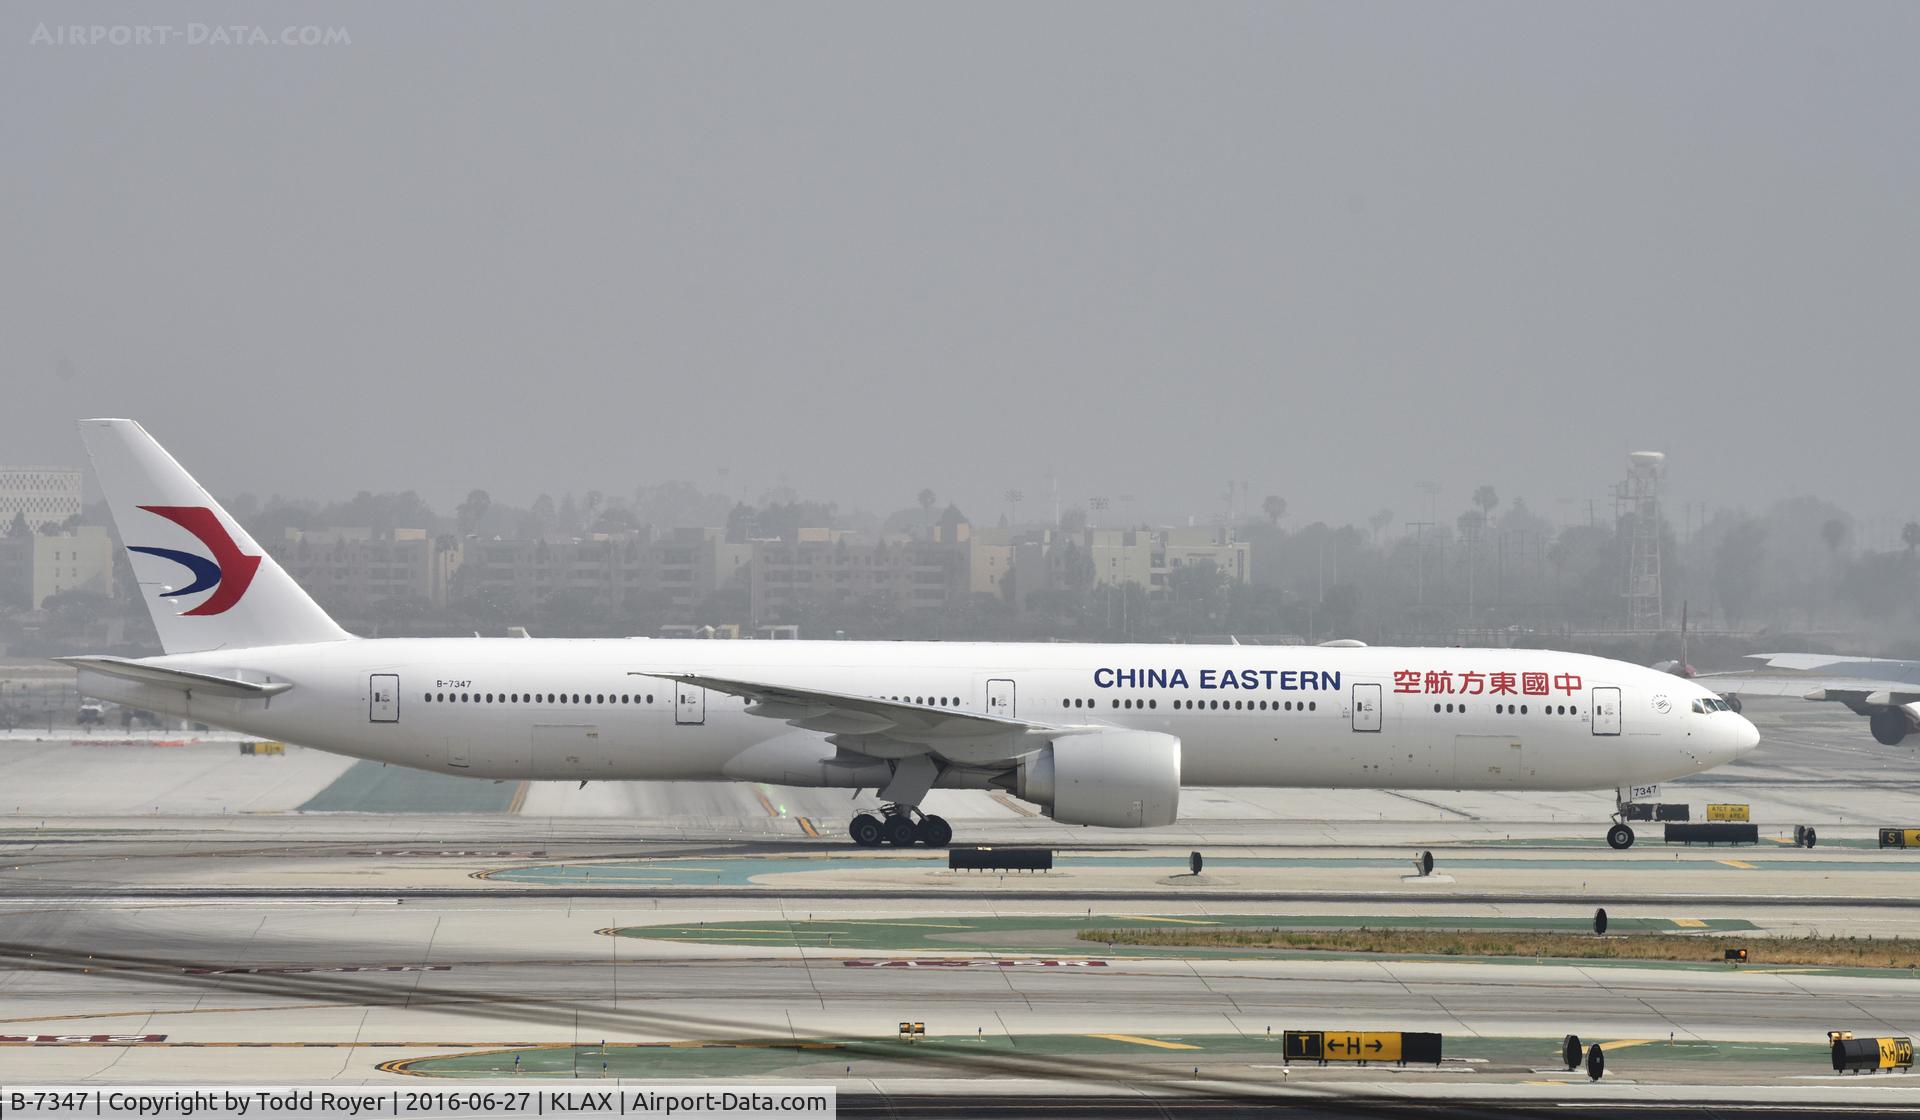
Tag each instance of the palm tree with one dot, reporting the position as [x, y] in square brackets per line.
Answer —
[1486, 497]
[1910, 533]
[926, 499]
[1275, 507]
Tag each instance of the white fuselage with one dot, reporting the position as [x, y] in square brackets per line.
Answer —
[1290, 716]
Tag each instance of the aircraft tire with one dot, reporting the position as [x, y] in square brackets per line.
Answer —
[898, 830]
[865, 830]
[934, 832]
[1620, 838]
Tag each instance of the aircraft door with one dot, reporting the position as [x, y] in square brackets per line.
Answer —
[1366, 707]
[1606, 711]
[689, 703]
[383, 698]
[1000, 698]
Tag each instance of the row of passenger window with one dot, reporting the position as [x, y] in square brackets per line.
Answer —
[537, 698]
[930, 701]
[1515, 709]
[1207, 705]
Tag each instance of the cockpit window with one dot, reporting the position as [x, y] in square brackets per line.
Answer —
[1711, 704]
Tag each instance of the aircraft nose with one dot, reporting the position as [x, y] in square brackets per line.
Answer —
[1745, 735]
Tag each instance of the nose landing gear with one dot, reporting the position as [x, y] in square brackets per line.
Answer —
[1619, 837]
[900, 826]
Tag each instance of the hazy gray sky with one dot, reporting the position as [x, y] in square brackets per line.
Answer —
[1333, 250]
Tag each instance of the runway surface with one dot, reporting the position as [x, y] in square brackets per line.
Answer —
[681, 930]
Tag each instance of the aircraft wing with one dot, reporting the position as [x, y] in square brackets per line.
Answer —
[206, 684]
[1884, 668]
[1811, 687]
[1861, 683]
[889, 728]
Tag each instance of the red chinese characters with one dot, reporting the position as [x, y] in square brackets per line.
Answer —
[1444, 682]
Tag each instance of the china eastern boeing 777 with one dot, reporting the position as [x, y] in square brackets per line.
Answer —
[1093, 734]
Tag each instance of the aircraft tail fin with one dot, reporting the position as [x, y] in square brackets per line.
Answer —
[206, 583]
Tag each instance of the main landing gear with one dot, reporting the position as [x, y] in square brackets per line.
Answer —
[897, 826]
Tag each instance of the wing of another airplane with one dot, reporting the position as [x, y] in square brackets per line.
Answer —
[1885, 690]
[1855, 681]
[1842, 666]
[1813, 687]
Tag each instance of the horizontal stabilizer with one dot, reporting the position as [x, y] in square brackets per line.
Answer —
[205, 684]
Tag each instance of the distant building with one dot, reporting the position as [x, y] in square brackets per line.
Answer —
[1216, 546]
[1123, 556]
[356, 567]
[44, 495]
[78, 561]
[16, 568]
[604, 568]
[612, 571]
[690, 564]
[833, 567]
[1049, 560]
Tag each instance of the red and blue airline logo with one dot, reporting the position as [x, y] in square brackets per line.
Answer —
[228, 572]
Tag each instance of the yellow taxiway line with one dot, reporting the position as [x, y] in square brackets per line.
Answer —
[1138, 1041]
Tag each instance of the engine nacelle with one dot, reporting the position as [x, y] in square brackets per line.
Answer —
[1116, 779]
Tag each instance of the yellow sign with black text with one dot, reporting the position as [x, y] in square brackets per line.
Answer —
[1362, 1046]
[1895, 1053]
[1727, 813]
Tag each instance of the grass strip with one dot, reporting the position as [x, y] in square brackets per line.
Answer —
[1844, 952]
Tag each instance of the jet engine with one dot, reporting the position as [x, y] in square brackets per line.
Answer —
[1116, 779]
